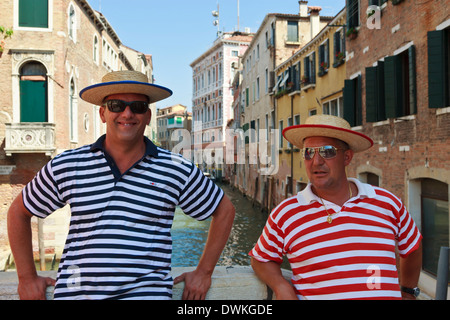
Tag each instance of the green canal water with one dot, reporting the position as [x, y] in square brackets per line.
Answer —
[189, 235]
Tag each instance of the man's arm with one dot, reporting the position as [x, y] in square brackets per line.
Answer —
[409, 270]
[270, 273]
[197, 283]
[31, 286]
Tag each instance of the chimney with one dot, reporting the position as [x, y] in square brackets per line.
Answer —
[314, 20]
[303, 8]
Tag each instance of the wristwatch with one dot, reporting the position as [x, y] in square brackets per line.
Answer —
[414, 291]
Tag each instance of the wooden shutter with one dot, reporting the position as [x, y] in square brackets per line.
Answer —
[33, 13]
[372, 94]
[436, 69]
[392, 86]
[33, 101]
[349, 102]
[412, 80]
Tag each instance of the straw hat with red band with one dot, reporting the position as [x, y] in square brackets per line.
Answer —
[327, 126]
[124, 82]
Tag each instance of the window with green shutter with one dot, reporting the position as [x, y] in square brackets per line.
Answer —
[375, 101]
[292, 31]
[353, 102]
[33, 13]
[400, 84]
[438, 68]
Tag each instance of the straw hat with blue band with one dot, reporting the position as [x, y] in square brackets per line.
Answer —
[124, 82]
[327, 126]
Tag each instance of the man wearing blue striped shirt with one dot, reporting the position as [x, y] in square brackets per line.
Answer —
[122, 191]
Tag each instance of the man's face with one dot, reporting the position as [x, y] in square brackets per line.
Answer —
[327, 174]
[125, 126]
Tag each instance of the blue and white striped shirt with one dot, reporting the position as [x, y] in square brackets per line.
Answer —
[119, 244]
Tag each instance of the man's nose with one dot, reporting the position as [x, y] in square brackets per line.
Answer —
[127, 112]
[317, 159]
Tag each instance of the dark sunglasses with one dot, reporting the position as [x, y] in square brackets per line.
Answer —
[117, 106]
[326, 152]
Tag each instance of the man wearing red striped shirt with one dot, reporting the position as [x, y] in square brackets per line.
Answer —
[341, 237]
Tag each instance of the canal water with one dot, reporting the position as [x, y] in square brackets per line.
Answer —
[189, 235]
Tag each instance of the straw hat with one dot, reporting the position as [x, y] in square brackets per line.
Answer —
[124, 82]
[327, 126]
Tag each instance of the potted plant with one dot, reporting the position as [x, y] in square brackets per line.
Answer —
[340, 57]
[323, 68]
[352, 33]
[7, 34]
[305, 80]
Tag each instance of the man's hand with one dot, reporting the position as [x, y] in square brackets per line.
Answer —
[196, 284]
[34, 288]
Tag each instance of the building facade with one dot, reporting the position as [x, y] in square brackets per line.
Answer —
[277, 39]
[397, 92]
[58, 47]
[310, 82]
[172, 124]
[213, 73]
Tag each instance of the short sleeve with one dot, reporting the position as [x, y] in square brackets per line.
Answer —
[409, 235]
[270, 244]
[41, 196]
[200, 196]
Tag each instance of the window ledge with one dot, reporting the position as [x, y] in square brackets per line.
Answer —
[442, 111]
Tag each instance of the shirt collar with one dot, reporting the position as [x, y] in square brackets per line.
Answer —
[307, 196]
[150, 148]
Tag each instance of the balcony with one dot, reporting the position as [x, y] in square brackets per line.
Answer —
[32, 137]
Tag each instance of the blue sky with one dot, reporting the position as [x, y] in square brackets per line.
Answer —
[176, 32]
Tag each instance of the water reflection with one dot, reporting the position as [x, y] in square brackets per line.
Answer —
[189, 236]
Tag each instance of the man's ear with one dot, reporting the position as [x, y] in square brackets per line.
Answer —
[348, 156]
[101, 111]
[150, 118]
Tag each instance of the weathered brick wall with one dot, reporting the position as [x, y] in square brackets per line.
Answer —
[426, 134]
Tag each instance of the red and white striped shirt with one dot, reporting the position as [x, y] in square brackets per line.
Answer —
[351, 258]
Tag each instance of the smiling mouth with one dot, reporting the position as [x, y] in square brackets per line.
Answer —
[126, 124]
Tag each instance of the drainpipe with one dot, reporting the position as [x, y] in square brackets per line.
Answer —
[442, 274]
[292, 148]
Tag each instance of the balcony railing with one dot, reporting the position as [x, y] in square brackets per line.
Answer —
[33, 137]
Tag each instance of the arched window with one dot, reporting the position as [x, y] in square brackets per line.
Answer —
[73, 112]
[33, 93]
[72, 24]
[96, 49]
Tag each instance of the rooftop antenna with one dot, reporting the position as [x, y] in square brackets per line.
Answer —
[238, 15]
[100, 5]
[216, 14]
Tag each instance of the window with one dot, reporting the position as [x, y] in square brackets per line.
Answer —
[400, 84]
[73, 112]
[334, 107]
[96, 49]
[309, 75]
[352, 101]
[292, 31]
[435, 221]
[375, 100]
[324, 58]
[281, 134]
[33, 13]
[339, 48]
[33, 93]
[439, 68]
[72, 23]
[353, 13]
[257, 88]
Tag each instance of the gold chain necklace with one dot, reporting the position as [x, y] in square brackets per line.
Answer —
[330, 215]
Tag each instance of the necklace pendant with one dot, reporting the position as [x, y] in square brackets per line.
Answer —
[329, 219]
